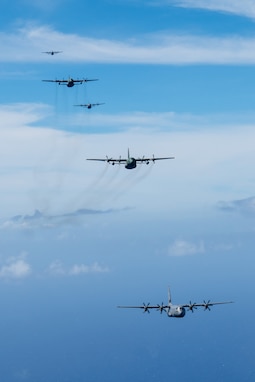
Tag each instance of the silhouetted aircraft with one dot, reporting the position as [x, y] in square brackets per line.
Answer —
[71, 82]
[130, 162]
[89, 105]
[52, 52]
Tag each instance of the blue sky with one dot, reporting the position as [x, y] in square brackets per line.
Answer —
[79, 238]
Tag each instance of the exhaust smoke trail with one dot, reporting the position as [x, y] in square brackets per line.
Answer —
[130, 181]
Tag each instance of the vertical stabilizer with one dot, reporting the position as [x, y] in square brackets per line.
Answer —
[169, 296]
[128, 154]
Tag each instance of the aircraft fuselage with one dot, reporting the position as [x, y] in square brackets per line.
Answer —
[176, 311]
[70, 84]
[131, 163]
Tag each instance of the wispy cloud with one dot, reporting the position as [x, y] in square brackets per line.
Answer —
[16, 269]
[244, 206]
[25, 45]
[81, 269]
[243, 8]
[41, 220]
[22, 114]
[138, 120]
[58, 269]
[48, 166]
[185, 248]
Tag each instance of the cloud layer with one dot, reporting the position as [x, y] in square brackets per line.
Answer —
[50, 170]
[244, 206]
[58, 269]
[243, 8]
[18, 268]
[185, 248]
[26, 44]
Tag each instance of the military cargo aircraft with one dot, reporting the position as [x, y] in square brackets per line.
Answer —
[177, 311]
[89, 105]
[52, 52]
[130, 162]
[71, 82]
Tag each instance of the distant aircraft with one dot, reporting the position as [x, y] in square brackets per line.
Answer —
[71, 82]
[90, 105]
[177, 311]
[52, 52]
[130, 162]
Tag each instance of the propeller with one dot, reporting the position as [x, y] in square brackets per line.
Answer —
[153, 159]
[119, 159]
[146, 307]
[192, 306]
[142, 161]
[207, 305]
[108, 159]
[161, 308]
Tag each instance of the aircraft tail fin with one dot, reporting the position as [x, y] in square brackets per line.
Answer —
[128, 154]
[169, 296]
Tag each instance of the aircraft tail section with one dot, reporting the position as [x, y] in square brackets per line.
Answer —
[128, 154]
[169, 296]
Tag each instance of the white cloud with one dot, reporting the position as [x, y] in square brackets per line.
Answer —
[15, 270]
[244, 206]
[240, 7]
[138, 120]
[57, 268]
[47, 166]
[38, 220]
[18, 115]
[223, 247]
[26, 44]
[80, 269]
[185, 248]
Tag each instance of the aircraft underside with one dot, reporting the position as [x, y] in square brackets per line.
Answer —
[131, 163]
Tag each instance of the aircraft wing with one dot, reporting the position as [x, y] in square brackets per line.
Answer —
[153, 159]
[53, 52]
[109, 160]
[205, 305]
[145, 307]
[94, 104]
[86, 80]
[57, 81]
[89, 104]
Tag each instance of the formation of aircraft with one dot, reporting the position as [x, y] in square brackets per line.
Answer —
[52, 52]
[172, 310]
[90, 105]
[70, 82]
[177, 311]
[130, 162]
